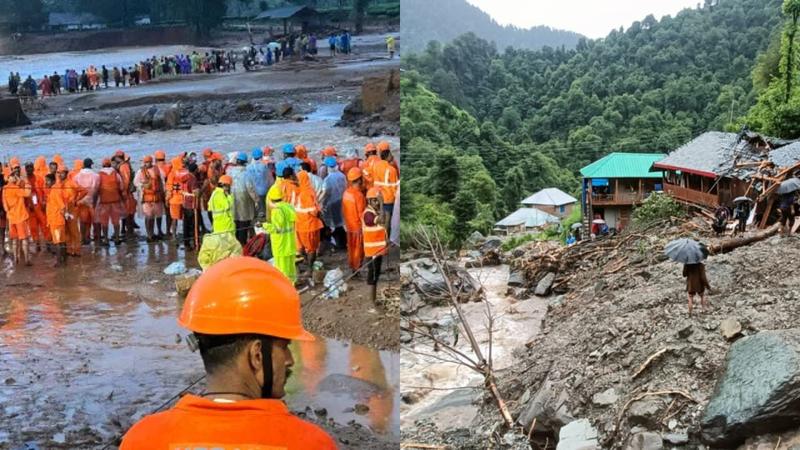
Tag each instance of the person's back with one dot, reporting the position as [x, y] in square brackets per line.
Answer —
[259, 174]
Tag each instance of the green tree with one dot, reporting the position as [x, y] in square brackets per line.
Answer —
[791, 8]
[359, 12]
[464, 209]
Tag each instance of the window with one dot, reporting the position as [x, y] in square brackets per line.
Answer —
[562, 209]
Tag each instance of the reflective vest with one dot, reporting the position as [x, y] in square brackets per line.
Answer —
[374, 236]
[154, 193]
[384, 176]
[109, 187]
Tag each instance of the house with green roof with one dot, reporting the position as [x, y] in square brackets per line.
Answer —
[613, 185]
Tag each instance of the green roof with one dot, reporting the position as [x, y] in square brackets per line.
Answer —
[624, 165]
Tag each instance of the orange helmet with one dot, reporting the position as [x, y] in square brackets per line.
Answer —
[226, 179]
[62, 168]
[301, 151]
[148, 159]
[160, 155]
[353, 174]
[241, 295]
[373, 192]
[383, 146]
[329, 151]
[267, 150]
[208, 153]
[119, 153]
[369, 148]
[14, 162]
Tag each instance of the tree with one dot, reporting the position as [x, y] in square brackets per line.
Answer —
[791, 8]
[444, 177]
[359, 12]
[464, 210]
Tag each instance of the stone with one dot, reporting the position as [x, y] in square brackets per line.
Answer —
[548, 407]
[578, 435]
[87, 132]
[645, 412]
[321, 412]
[244, 106]
[361, 409]
[759, 391]
[645, 441]
[605, 398]
[543, 287]
[515, 441]
[730, 328]
[285, 109]
[491, 243]
[405, 337]
[475, 239]
[672, 424]
[676, 438]
[516, 278]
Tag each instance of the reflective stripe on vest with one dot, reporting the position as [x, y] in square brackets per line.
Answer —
[374, 236]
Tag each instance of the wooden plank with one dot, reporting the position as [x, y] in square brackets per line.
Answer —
[765, 216]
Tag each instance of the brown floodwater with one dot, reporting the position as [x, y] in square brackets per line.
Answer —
[87, 351]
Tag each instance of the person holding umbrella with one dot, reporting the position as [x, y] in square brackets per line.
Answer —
[691, 253]
[787, 192]
[741, 213]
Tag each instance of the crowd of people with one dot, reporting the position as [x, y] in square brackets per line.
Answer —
[306, 206]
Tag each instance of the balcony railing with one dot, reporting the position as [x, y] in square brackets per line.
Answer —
[618, 198]
[691, 195]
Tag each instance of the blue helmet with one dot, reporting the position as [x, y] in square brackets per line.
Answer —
[288, 149]
[258, 153]
[242, 156]
[330, 161]
[280, 167]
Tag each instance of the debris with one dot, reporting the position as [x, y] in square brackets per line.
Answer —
[578, 435]
[645, 441]
[516, 278]
[176, 268]
[730, 328]
[543, 288]
[361, 409]
[116, 268]
[421, 276]
[334, 285]
[676, 438]
[184, 282]
[605, 398]
[648, 361]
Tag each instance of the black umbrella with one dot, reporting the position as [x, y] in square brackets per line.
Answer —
[576, 225]
[790, 185]
[742, 199]
[686, 251]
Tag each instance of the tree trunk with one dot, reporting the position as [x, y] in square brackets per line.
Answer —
[359, 11]
[731, 244]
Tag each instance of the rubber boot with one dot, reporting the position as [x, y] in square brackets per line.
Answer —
[373, 292]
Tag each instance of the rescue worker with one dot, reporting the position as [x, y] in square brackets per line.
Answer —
[15, 193]
[290, 158]
[371, 155]
[182, 203]
[164, 168]
[308, 222]
[302, 154]
[3, 219]
[148, 181]
[247, 362]
[89, 181]
[375, 244]
[71, 194]
[385, 177]
[56, 221]
[281, 228]
[109, 206]
[125, 170]
[262, 180]
[35, 205]
[244, 199]
[353, 205]
[326, 153]
[335, 185]
[212, 180]
[350, 161]
[220, 206]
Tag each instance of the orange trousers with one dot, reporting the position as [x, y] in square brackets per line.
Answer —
[355, 249]
[73, 237]
[38, 225]
[59, 234]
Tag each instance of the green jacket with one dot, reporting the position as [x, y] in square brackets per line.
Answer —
[221, 207]
[281, 230]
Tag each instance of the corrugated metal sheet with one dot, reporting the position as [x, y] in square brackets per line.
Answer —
[530, 217]
[623, 165]
[285, 12]
[550, 197]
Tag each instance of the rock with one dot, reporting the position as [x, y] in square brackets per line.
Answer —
[491, 243]
[243, 106]
[555, 302]
[645, 412]
[410, 302]
[10, 381]
[543, 288]
[676, 438]
[176, 268]
[405, 337]
[645, 441]
[475, 239]
[672, 424]
[410, 398]
[87, 132]
[578, 435]
[548, 407]
[730, 328]
[759, 391]
[285, 109]
[167, 118]
[605, 398]
[361, 409]
[146, 121]
[516, 278]
[515, 441]
[321, 412]
[116, 268]
[184, 282]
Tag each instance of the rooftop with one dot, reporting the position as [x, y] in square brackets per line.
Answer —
[550, 197]
[530, 217]
[65, 19]
[286, 12]
[623, 165]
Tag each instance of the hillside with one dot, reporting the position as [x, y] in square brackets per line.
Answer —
[443, 20]
[649, 88]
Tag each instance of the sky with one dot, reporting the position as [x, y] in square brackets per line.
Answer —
[592, 18]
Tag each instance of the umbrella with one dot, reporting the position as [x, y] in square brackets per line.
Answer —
[576, 225]
[686, 251]
[599, 221]
[790, 185]
[742, 199]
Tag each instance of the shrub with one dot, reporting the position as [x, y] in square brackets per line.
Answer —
[657, 207]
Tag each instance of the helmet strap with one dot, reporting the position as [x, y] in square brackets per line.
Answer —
[266, 357]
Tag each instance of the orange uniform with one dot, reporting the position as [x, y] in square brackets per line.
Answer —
[353, 205]
[290, 191]
[384, 176]
[196, 422]
[36, 207]
[77, 165]
[308, 222]
[366, 169]
[302, 155]
[56, 208]
[72, 194]
[14, 197]
[128, 199]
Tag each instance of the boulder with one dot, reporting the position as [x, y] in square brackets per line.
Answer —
[285, 109]
[645, 412]
[548, 407]
[544, 285]
[578, 435]
[645, 441]
[87, 132]
[146, 120]
[491, 243]
[516, 278]
[244, 107]
[475, 239]
[759, 391]
[605, 398]
[730, 328]
[167, 118]
[676, 438]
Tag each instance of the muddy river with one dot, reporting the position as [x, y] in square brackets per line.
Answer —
[87, 351]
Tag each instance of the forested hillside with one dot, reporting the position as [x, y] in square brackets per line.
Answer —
[535, 117]
[444, 20]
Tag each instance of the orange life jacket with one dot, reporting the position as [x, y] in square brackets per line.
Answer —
[155, 192]
[109, 187]
[374, 236]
